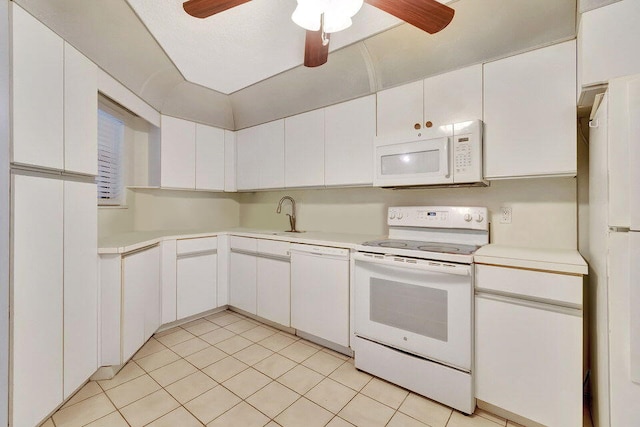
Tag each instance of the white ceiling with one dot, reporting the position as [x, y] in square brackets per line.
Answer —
[243, 45]
[115, 37]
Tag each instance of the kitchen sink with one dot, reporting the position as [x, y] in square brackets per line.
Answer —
[286, 233]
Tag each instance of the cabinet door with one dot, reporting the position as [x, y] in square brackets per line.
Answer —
[37, 305]
[210, 159]
[80, 112]
[141, 269]
[247, 162]
[152, 305]
[38, 110]
[530, 364]
[242, 273]
[530, 113]
[270, 138]
[453, 97]
[197, 278]
[606, 36]
[399, 111]
[274, 281]
[80, 284]
[230, 161]
[177, 153]
[350, 128]
[168, 279]
[304, 149]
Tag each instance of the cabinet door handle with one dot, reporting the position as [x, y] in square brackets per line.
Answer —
[428, 124]
[417, 126]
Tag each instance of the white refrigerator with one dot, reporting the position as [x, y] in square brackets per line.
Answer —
[614, 253]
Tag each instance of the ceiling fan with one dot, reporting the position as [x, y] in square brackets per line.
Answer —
[322, 17]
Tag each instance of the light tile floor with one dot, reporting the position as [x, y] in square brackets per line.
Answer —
[228, 370]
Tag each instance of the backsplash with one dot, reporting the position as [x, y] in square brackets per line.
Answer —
[544, 209]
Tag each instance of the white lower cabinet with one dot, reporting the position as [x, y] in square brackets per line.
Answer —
[527, 352]
[196, 272]
[168, 280]
[259, 279]
[54, 286]
[37, 306]
[273, 287]
[242, 273]
[80, 284]
[140, 299]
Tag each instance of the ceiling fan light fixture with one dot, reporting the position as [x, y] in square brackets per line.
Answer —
[337, 14]
[307, 15]
[334, 23]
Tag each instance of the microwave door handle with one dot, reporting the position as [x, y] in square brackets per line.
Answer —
[445, 158]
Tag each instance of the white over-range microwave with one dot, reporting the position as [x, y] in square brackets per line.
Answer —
[446, 155]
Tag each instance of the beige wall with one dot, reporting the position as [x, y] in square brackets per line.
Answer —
[153, 209]
[185, 210]
[544, 209]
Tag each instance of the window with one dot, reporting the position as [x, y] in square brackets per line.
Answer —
[110, 141]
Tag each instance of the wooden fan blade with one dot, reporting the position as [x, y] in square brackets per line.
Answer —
[315, 53]
[206, 8]
[428, 15]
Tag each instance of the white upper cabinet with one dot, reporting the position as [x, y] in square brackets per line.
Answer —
[271, 154]
[304, 149]
[409, 111]
[350, 128]
[400, 111]
[260, 162]
[607, 43]
[247, 174]
[38, 93]
[453, 97]
[530, 113]
[230, 161]
[80, 112]
[210, 158]
[177, 153]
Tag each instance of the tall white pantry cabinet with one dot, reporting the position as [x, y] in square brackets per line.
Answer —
[53, 209]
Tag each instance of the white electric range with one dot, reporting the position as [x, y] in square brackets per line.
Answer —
[413, 301]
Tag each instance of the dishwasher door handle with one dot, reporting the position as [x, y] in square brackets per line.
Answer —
[325, 251]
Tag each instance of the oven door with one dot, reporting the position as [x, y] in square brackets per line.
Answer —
[423, 162]
[417, 306]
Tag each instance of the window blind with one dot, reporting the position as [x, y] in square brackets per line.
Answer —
[110, 140]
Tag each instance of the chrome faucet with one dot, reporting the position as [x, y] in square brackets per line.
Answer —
[292, 217]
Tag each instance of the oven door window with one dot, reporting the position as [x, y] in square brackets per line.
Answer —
[411, 308]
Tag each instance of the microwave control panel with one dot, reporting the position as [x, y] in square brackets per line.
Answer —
[467, 152]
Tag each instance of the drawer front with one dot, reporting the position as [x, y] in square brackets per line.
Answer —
[243, 243]
[539, 285]
[273, 247]
[185, 246]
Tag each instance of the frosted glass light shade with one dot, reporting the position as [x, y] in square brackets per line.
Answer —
[337, 14]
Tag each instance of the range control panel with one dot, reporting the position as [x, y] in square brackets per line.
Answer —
[474, 218]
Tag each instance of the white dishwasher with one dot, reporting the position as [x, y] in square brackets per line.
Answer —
[320, 292]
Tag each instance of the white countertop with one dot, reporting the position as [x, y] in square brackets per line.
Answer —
[554, 260]
[127, 242]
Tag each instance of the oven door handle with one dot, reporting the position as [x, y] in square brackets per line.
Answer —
[416, 264]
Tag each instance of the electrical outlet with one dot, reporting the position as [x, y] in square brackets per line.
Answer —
[505, 215]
